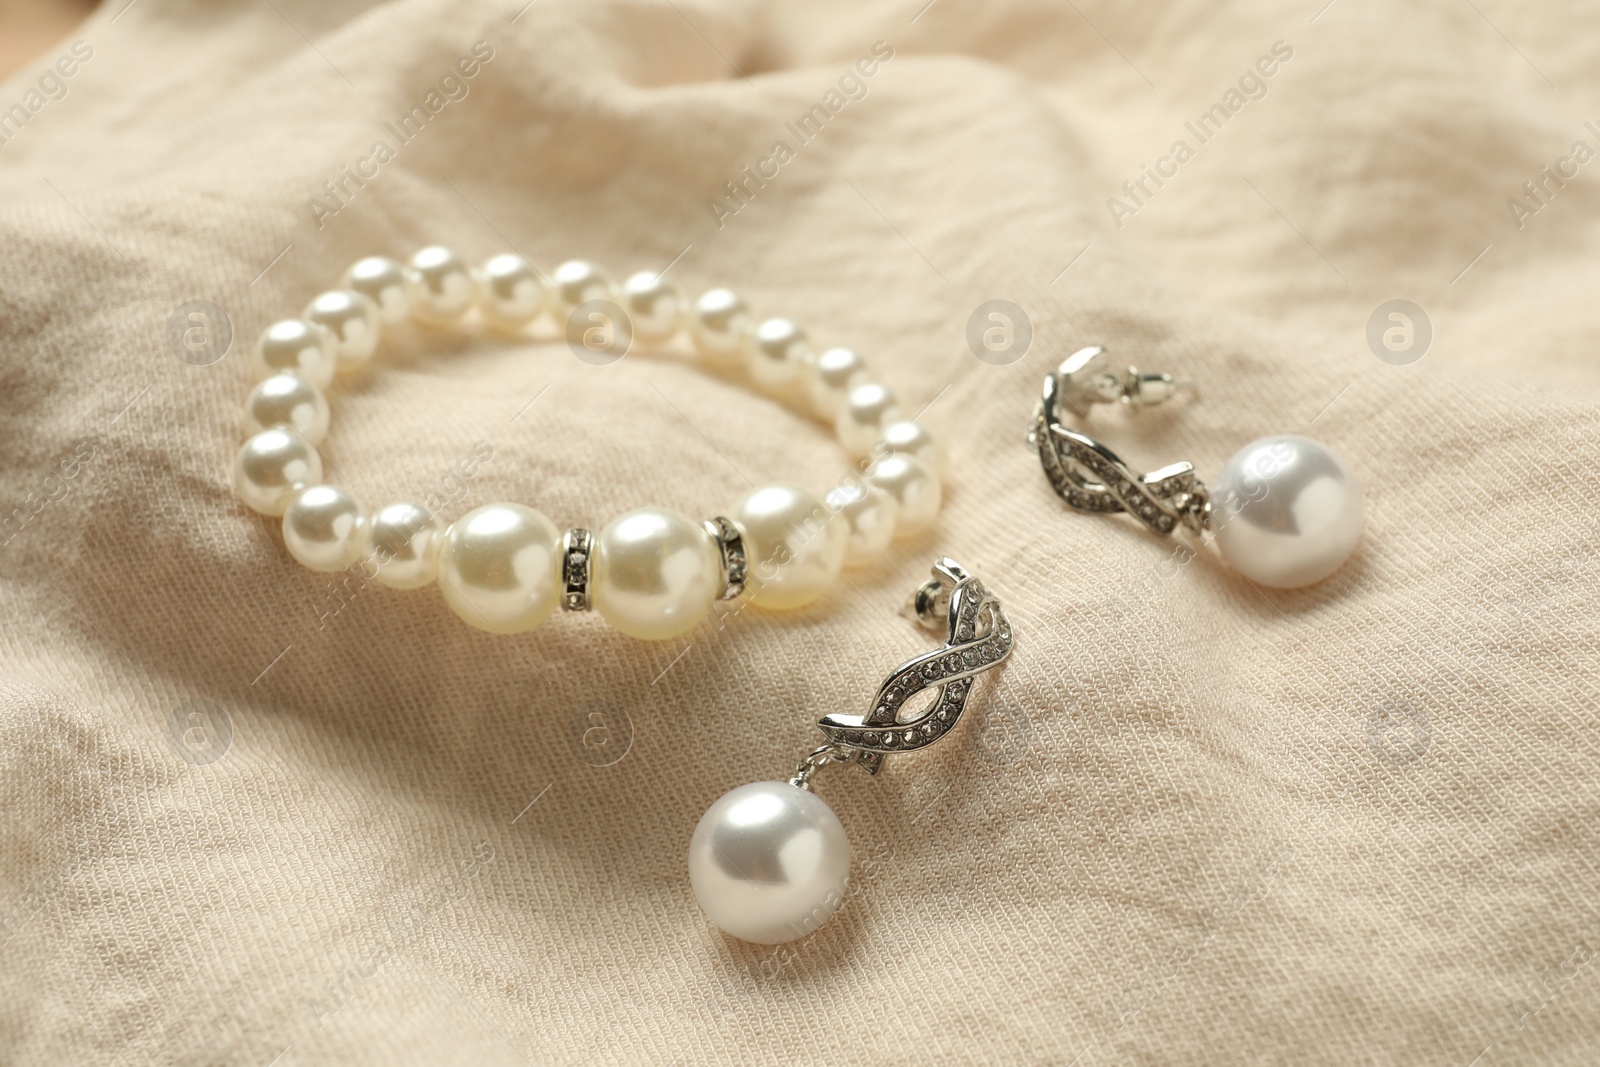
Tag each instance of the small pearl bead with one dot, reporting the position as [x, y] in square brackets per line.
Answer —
[654, 305]
[778, 359]
[1288, 511]
[830, 378]
[351, 319]
[912, 439]
[722, 328]
[913, 487]
[500, 568]
[285, 400]
[383, 281]
[577, 281]
[325, 529]
[272, 467]
[655, 573]
[510, 292]
[868, 408]
[405, 545]
[298, 347]
[440, 286]
[769, 862]
[795, 544]
[869, 512]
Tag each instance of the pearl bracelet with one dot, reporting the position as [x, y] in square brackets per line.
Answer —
[504, 568]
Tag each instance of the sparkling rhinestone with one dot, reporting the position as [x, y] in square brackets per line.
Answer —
[911, 736]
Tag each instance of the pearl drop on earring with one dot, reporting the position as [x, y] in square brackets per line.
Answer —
[1288, 511]
[769, 862]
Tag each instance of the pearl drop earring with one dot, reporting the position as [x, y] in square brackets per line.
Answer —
[769, 862]
[1286, 510]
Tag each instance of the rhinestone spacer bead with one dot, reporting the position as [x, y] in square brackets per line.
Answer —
[730, 542]
[577, 550]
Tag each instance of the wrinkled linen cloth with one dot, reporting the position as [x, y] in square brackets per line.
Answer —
[255, 814]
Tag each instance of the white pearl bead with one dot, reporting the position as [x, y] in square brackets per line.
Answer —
[869, 513]
[351, 319]
[913, 439]
[778, 359]
[655, 573]
[914, 488]
[298, 347]
[654, 306]
[510, 291]
[285, 400]
[577, 281]
[722, 328]
[325, 528]
[405, 545]
[500, 568]
[272, 467]
[440, 285]
[383, 281]
[794, 542]
[868, 408]
[1288, 511]
[769, 862]
[830, 378]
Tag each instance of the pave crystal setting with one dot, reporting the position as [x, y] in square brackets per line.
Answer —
[1089, 476]
[577, 555]
[735, 565]
[979, 638]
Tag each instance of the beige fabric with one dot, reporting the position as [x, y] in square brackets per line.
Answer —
[1191, 823]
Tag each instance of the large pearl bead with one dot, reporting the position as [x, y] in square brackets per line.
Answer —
[722, 328]
[383, 281]
[869, 512]
[298, 347]
[769, 862]
[440, 285]
[405, 545]
[830, 377]
[795, 544]
[325, 528]
[778, 358]
[868, 407]
[655, 573]
[1288, 511]
[654, 307]
[351, 319]
[913, 439]
[510, 291]
[272, 467]
[576, 282]
[500, 568]
[286, 400]
[914, 487]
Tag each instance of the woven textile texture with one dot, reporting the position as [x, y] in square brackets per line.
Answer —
[253, 818]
